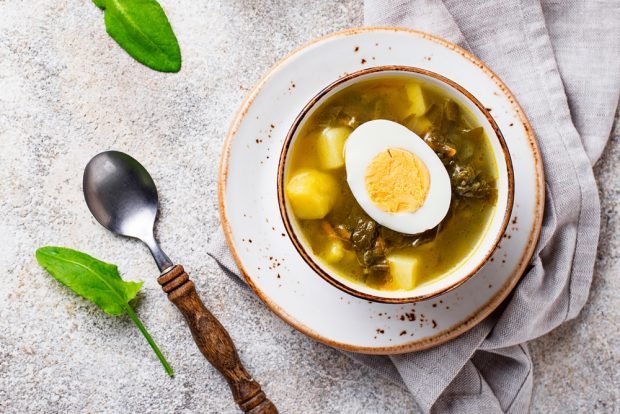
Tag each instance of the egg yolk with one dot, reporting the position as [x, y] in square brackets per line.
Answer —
[397, 181]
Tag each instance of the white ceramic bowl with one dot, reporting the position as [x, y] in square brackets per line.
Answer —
[480, 253]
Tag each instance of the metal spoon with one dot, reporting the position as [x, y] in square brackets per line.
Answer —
[122, 196]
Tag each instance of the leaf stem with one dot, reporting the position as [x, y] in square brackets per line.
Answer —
[146, 334]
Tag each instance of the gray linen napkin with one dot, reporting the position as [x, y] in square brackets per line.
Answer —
[562, 60]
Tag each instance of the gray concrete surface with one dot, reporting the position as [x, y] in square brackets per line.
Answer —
[67, 92]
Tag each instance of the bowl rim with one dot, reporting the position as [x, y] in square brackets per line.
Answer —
[309, 257]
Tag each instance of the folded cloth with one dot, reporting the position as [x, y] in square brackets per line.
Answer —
[561, 60]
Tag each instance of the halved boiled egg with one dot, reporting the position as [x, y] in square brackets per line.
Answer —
[396, 177]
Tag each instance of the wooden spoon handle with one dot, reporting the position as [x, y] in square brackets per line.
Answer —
[214, 342]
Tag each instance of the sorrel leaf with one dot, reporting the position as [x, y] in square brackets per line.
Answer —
[98, 282]
[143, 30]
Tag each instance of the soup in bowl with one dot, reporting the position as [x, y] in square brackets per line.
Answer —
[395, 184]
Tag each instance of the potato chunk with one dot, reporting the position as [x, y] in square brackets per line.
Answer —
[415, 94]
[419, 124]
[333, 251]
[405, 270]
[330, 147]
[312, 194]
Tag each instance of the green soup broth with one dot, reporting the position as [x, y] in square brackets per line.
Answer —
[348, 241]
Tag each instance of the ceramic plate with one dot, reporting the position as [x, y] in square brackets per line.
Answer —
[255, 231]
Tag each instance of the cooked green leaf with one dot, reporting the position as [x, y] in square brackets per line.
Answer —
[143, 30]
[98, 282]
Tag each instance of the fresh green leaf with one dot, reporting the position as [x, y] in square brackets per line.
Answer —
[143, 30]
[90, 278]
[98, 282]
[100, 3]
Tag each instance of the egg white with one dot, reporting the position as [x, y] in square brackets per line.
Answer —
[374, 137]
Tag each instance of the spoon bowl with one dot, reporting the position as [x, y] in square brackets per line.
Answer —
[122, 196]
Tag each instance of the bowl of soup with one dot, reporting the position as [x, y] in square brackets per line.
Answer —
[395, 184]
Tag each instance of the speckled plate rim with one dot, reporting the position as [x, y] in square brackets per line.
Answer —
[474, 318]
